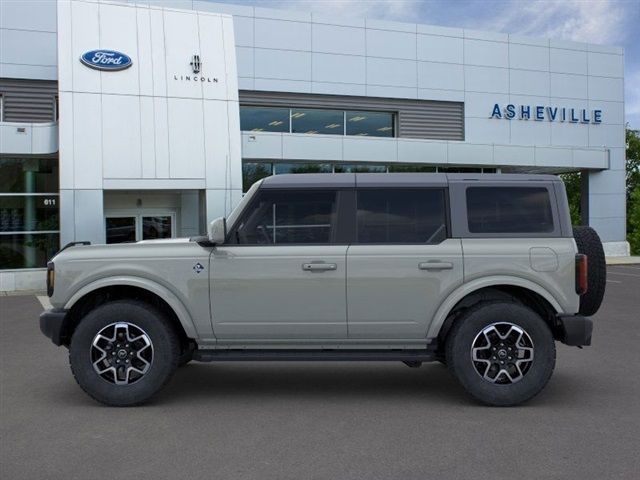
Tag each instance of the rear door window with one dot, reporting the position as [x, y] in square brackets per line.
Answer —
[509, 210]
[400, 215]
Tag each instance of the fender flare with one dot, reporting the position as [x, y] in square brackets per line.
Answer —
[165, 294]
[467, 288]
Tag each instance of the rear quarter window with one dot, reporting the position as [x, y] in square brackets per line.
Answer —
[509, 210]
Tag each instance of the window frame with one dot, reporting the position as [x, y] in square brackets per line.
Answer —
[446, 206]
[341, 237]
[459, 213]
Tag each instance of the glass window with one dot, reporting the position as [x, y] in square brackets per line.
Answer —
[30, 250]
[317, 121]
[361, 169]
[372, 124]
[252, 172]
[285, 217]
[509, 210]
[411, 168]
[460, 169]
[28, 213]
[28, 175]
[401, 216]
[156, 227]
[121, 229]
[264, 119]
[302, 168]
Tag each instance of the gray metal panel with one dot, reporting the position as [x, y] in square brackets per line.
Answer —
[428, 119]
[28, 100]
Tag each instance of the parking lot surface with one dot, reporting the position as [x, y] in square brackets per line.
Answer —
[325, 420]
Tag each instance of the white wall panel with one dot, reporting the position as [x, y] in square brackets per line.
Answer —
[284, 65]
[144, 53]
[610, 89]
[421, 151]
[147, 137]
[444, 76]
[530, 132]
[513, 155]
[486, 79]
[159, 67]
[568, 86]
[329, 88]
[605, 65]
[553, 157]
[528, 57]
[381, 43]
[85, 35]
[487, 130]
[470, 154]
[393, 73]
[35, 15]
[211, 36]
[338, 39]
[186, 138]
[480, 105]
[338, 68]
[434, 48]
[282, 34]
[526, 82]
[369, 149]
[243, 31]
[182, 30]
[121, 150]
[489, 54]
[569, 134]
[312, 147]
[118, 31]
[228, 57]
[161, 136]
[612, 112]
[606, 135]
[568, 61]
[216, 143]
[261, 146]
[244, 56]
[87, 141]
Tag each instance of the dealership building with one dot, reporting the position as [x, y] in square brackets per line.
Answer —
[130, 121]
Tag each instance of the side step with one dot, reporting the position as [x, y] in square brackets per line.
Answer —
[315, 355]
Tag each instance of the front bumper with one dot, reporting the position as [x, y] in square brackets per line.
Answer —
[52, 323]
[575, 330]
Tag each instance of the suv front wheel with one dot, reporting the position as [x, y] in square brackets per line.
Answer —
[123, 352]
[502, 353]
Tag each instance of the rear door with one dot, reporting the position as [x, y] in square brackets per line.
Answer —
[402, 264]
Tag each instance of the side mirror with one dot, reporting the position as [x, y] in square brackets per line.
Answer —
[218, 231]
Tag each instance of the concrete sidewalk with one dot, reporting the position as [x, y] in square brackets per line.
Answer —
[631, 260]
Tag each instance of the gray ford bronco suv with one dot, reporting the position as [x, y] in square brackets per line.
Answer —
[480, 272]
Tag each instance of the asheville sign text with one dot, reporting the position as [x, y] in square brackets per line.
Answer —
[552, 114]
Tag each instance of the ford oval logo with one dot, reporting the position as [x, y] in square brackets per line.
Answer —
[109, 60]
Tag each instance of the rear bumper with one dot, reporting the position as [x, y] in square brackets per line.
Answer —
[575, 330]
[52, 324]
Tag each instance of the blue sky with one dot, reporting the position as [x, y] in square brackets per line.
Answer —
[608, 22]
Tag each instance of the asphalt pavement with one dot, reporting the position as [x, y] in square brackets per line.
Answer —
[325, 420]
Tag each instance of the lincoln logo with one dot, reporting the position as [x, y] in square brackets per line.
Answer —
[195, 63]
[107, 60]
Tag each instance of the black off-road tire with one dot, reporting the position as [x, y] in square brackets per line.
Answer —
[458, 349]
[589, 243]
[166, 352]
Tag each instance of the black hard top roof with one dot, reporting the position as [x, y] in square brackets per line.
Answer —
[346, 180]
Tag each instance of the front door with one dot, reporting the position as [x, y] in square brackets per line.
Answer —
[402, 263]
[281, 275]
[132, 227]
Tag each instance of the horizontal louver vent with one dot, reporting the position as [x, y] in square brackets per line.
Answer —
[30, 101]
[429, 119]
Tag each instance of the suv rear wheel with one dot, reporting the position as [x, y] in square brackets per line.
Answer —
[502, 353]
[123, 352]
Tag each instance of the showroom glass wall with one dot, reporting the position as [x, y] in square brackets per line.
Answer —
[254, 171]
[29, 211]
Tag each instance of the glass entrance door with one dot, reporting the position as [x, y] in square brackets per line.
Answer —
[132, 228]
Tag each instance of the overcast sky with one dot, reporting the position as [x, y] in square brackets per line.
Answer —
[609, 22]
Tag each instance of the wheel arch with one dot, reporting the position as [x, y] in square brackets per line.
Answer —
[502, 287]
[106, 289]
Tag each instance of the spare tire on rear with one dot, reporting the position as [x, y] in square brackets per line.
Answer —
[589, 243]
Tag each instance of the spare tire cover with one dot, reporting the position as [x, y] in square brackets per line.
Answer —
[589, 243]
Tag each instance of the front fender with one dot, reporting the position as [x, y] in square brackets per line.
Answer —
[466, 288]
[153, 287]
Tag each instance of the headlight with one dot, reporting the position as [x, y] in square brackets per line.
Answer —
[51, 278]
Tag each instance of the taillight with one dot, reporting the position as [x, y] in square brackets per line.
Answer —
[51, 278]
[582, 272]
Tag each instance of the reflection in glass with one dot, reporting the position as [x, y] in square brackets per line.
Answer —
[317, 121]
[121, 229]
[302, 168]
[30, 250]
[408, 168]
[372, 124]
[28, 175]
[252, 172]
[264, 119]
[364, 168]
[28, 213]
[156, 227]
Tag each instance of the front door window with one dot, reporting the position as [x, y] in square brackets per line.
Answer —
[121, 229]
[156, 227]
[132, 228]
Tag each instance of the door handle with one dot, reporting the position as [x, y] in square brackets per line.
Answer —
[435, 265]
[319, 267]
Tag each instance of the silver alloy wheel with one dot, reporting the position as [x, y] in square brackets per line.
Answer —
[121, 353]
[502, 353]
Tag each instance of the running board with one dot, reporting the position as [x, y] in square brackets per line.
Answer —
[315, 355]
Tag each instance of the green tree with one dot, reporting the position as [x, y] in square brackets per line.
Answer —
[572, 185]
[633, 221]
[633, 189]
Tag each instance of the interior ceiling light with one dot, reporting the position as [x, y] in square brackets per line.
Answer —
[362, 134]
[275, 123]
[312, 131]
[333, 125]
[384, 129]
[298, 115]
[257, 129]
[356, 119]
